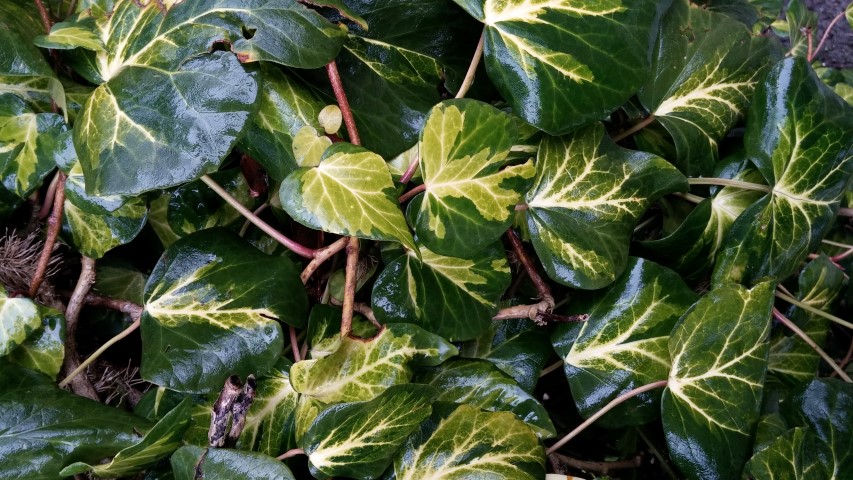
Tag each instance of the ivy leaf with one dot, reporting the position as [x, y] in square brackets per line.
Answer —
[43, 350]
[31, 145]
[70, 35]
[705, 67]
[359, 440]
[712, 400]
[19, 318]
[359, 371]
[149, 128]
[160, 441]
[799, 20]
[270, 421]
[349, 193]
[286, 106]
[195, 206]
[546, 57]
[471, 193]
[406, 290]
[587, 197]
[791, 456]
[466, 442]
[209, 315]
[482, 384]
[806, 158]
[518, 348]
[824, 406]
[43, 428]
[190, 462]
[624, 343]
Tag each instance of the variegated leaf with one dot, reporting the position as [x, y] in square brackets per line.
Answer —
[44, 350]
[469, 288]
[551, 59]
[624, 343]
[69, 35]
[798, 136]
[791, 456]
[269, 424]
[201, 323]
[518, 348]
[464, 442]
[359, 370]
[349, 193]
[19, 318]
[587, 198]
[705, 67]
[713, 395]
[471, 193]
[191, 462]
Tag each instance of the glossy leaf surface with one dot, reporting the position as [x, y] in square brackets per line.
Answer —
[201, 324]
[470, 192]
[465, 442]
[798, 136]
[587, 198]
[226, 464]
[624, 343]
[518, 348]
[19, 318]
[546, 56]
[359, 440]
[270, 421]
[44, 349]
[790, 456]
[195, 206]
[719, 359]
[360, 371]
[470, 289]
[349, 193]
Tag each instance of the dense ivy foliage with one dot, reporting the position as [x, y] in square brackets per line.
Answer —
[317, 262]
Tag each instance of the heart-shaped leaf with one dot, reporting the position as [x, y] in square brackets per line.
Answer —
[624, 343]
[712, 400]
[587, 198]
[463, 442]
[349, 193]
[482, 384]
[191, 462]
[359, 440]
[789, 456]
[548, 57]
[471, 193]
[469, 288]
[517, 347]
[806, 158]
[359, 370]
[43, 350]
[19, 318]
[705, 67]
[204, 298]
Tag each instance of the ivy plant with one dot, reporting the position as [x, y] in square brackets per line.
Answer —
[345, 238]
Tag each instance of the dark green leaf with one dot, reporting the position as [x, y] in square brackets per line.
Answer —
[359, 440]
[44, 350]
[208, 314]
[588, 196]
[518, 348]
[120, 281]
[799, 24]
[195, 206]
[790, 457]
[713, 396]
[191, 463]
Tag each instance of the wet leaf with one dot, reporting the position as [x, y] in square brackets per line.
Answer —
[43, 350]
[69, 35]
[195, 206]
[19, 318]
[790, 456]
[269, 425]
[191, 462]
[517, 347]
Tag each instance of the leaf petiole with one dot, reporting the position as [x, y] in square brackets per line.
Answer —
[794, 328]
[728, 182]
[816, 311]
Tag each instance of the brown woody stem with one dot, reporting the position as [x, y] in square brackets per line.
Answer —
[634, 128]
[547, 300]
[341, 96]
[54, 223]
[80, 384]
[321, 255]
[349, 286]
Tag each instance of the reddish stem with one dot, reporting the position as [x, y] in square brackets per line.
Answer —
[825, 35]
[541, 287]
[45, 16]
[341, 96]
[411, 193]
[794, 328]
[410, 171]
[54, 223]
[634, 129]
[294, 344]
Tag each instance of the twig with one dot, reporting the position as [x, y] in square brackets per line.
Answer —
[826, 35]
[406, 196]
[367, 312]
[816, 311]
[349, 286]
[794, 328]
[109, 343]
[689, 197]
[321, 256]
[547, 300]
[810, 42]
[48, 198]
[534, 312]
[54, 223]
[601, 412]
[634, 128]
[294, 344]
[295, 247]
[521, 207]
[847, 358]
[124, 306]
[599, 467]
[45, 16]
[550, 368]
[472, 68]
[845, 212]
[410, 171]
[248, 222]
[290, 453]
[80, 384]
[341, 96]
[728, 182]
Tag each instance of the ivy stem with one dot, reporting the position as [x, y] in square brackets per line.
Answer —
[689, 197]
[600, 413]
[109, 343]
[349, 286]
[411, 169]
[45, 16]
[794, 328]
[837, 244]
[294, 344]
[367, 312]
[521, 207]
[656, 453]
[54, 223]
[320, 256]
[846, 360]
[547, 299]
[551, 368]
[600, 467]
[341, 96]
[290, 453]
[728, 182]
[80, 383]
[472, 68]
[71, 7]
[826, 35]
[816, 311]
[411, 193]
[48, 197]
[248, 222]
[635, 128]
[845, 212]
[295, 247]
